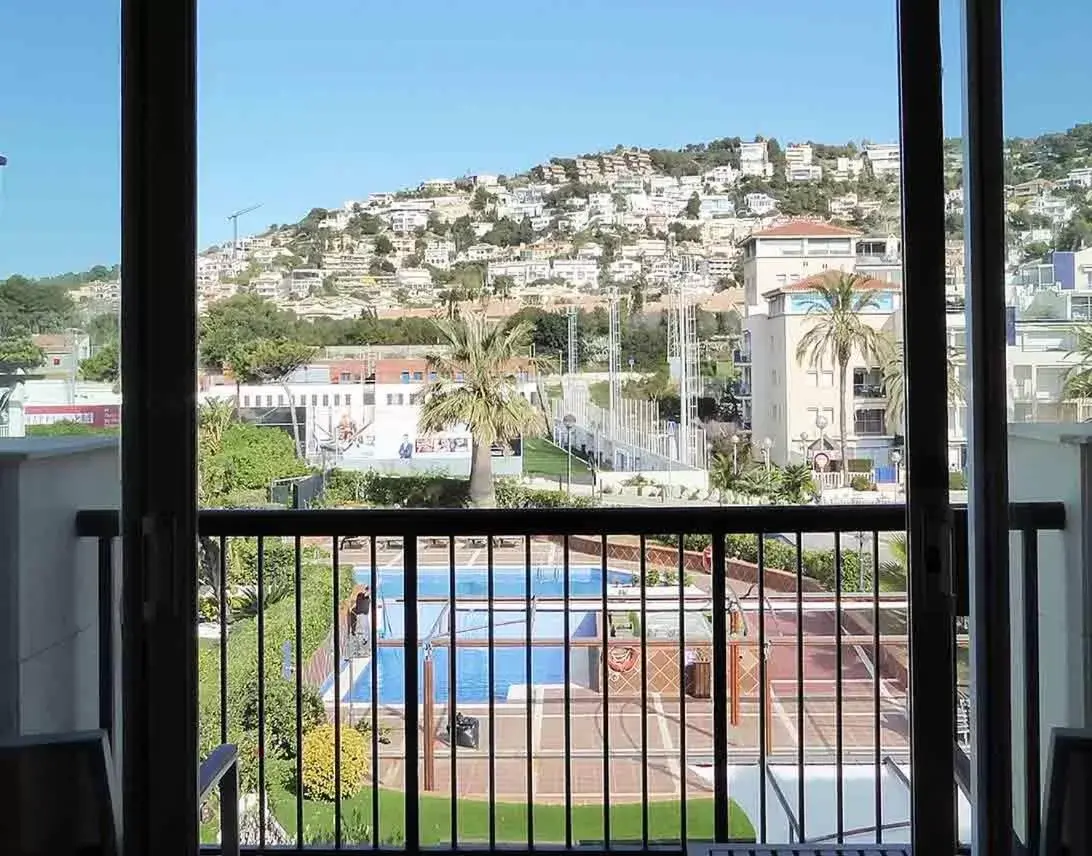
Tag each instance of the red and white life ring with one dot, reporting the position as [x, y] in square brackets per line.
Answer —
[622, 659]
[707, 559]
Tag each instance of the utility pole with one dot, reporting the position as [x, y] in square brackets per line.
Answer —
[234, 218]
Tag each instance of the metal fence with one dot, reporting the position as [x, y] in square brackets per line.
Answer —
[576, 678]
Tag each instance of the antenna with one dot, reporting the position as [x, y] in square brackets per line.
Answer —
[234, 218]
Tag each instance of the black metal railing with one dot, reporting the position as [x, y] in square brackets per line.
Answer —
[625, 694]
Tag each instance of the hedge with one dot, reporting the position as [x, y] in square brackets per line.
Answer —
[511, 494]
[316, 592]
[777, 555]
[418, 491]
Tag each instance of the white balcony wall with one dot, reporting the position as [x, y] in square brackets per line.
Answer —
[1053, 462]
[49, 673]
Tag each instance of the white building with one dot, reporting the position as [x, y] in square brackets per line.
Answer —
[576, 272]
[439, 253]
[718, 205]
[847, 169]
[811, 172]
[798, 154]
[406, 219]
[760, 203]
[754, 160]
[843, 206]
[884, 159]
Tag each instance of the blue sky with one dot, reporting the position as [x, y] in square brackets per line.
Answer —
[304, 105]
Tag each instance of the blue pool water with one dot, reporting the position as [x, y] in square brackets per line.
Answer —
[472, 684]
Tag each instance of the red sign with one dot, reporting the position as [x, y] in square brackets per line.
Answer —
[96, 415]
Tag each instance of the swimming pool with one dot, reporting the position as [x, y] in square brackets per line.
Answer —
[472, 621]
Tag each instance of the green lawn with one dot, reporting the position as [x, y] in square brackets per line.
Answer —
[511, 820]
[543, 458]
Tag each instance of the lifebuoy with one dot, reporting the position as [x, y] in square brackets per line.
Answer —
[707, 559]
[621, 659]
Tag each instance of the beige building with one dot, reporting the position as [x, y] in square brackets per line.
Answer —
[795, 403]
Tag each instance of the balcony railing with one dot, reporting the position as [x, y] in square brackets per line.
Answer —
[868, 390]
[605, 689]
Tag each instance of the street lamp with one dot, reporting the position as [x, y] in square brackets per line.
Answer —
[569, 421]
[896, 459]
[735, 453]
[767, 444]
[821, 424]
[804, 445]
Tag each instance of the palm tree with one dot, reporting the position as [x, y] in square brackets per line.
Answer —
[893, 368]
[893, 571]
[476, 385]
[839, 331]
[795, 484]
[1078, 380]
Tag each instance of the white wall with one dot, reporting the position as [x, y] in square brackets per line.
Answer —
[1054, 463]
[49, 581]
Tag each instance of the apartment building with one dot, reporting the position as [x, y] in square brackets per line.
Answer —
[811, 172]
[406, 219]
[884, 159]
[722, 176]
[588, 170]
[270, 285]
[439, 253]
[576, 272]
[552, 173]
[760, 203]
[754, 160]
[717, 205]
[794, 402]
[847, 169]
[1057, 209]
[481, 252]
[522, 272]
[798, 154]
[843, 206]
[1079, 178]
[796, 250]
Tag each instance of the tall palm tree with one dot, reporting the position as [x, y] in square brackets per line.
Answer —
[839, 331]
[476, 385]
[893, 369]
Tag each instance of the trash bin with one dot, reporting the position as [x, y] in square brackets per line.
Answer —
[467, 731]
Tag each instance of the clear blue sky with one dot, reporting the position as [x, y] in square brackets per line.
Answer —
[304, 105]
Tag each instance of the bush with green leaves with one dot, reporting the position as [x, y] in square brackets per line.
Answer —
[957, 480]
[316, 612]
[318, 763]
[862, 483]
[511, 494]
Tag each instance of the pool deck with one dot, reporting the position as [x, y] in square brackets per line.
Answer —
[608, 738]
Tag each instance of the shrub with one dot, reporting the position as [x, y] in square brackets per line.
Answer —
[318, 763]
[859, 465]
[511, 494]
[423, 491]
[957, 480]
[861, 483]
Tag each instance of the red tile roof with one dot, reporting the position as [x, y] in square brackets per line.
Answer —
[863, 283]
[806, 229]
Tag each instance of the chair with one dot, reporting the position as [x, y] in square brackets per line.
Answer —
[1067, 827]
[58, 796]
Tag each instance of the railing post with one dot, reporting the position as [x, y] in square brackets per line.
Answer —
[720, 689]
[413, 700]
[229, 812]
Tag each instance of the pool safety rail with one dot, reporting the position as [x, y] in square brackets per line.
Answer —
[564, 678]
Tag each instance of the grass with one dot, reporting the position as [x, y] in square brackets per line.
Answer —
[511, 820]
[543, 458]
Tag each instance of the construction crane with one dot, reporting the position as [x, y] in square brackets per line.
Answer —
[234, 218]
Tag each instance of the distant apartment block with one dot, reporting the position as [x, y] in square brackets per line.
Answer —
[847, 169]
[522, 272]
[406, 219]
[481, 252]
[553, 173]
[1079, 178]
[576, 272]
[754, 160]
[812, 172]
[439, 253]
[884, 159]
[437, 185]
[843, 206]
[717, 206]
[588, 170]
[1056, 208]
[722, 176]
[760, 203]
[798, 154]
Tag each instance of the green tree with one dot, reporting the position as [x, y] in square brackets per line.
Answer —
[838, 331]
[20, 353]
[477, 385]
[1078, 381]
[237, 321]
[892, 368]
[103, 365]
[795, 484]
[693, 207]
[272, 361]
[383, 246]
[481, 199]
[503, 285]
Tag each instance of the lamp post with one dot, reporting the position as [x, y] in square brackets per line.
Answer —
[569, 421]
[767, 444]
[821, 424]
[896, 459]
[735, 454]
[804, 446]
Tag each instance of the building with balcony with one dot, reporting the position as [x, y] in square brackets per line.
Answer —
[754, 160]
[884, 159]
[791, 396]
